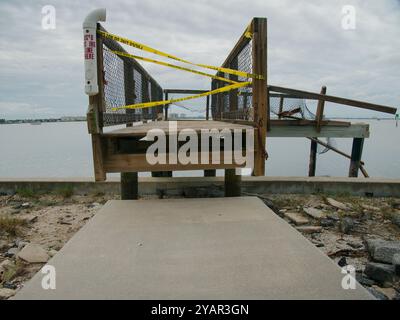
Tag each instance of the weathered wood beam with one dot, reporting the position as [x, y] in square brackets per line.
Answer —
[334, 99]
[351, 131]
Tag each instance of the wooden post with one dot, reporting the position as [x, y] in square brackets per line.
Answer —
[313, 159]
[320, 110]
[356, 153]
[210, 173]
[232, 183]
[280, 107]
[129, 185]
[260, 98]
[208, 108]
[166, 108]
[129, 180]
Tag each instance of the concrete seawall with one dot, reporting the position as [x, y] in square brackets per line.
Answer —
[213, 186]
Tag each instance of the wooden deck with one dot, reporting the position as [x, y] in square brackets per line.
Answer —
[141, 129]
[279, 128]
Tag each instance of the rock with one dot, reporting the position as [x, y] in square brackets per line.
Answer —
[372, 244]
[342, 262]
[346, 225]
[390, 293]
[4, 266]
[333, 216]
[33, 253]
[63, 220]
[368, 207]
[396, 204]
[15, 211]
[318, 243]
[52, 252]
[21, 244]
[396, 263]
[31, 219]
[3, 245]
[9, 285]
[382, 273]
[395, 218]
[355, 244]
[337, 204]
[25, 205]
[326, 222]
[17, 206]
[296, 218]
[94, 205]
[384, 252]
[11, 252]
[363, 280]
[378, 295]
[314, 213]
[6, 293]
[309, 229]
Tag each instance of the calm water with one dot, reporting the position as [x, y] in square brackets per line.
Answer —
[64, 150]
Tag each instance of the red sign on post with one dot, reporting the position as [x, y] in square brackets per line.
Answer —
[89, 44]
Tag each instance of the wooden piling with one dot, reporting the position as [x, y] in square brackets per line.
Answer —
[129, 186]
[210, 173]
[313, 159]
[232, 183]
[356, 153]
[260, 100]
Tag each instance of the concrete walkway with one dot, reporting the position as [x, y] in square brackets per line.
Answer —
[221, 248]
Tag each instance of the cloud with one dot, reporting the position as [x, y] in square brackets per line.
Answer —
[42, 70]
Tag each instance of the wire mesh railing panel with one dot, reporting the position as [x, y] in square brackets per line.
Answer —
[235, 104]
[114, 81]
[125, 82]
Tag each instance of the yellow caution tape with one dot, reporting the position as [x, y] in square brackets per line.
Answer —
[143, 47]
[124, 54]
[248, 33]
[208, 93]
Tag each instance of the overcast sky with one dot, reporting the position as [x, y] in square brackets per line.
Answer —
[41, 71]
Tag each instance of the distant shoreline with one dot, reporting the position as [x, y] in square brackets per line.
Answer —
[44, 120]
[80, 119]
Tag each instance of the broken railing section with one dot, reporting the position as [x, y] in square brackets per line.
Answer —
[356, 153]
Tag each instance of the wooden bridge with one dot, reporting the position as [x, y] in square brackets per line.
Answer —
[114, 80]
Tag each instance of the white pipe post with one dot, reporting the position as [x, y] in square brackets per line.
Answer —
[89, 43]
